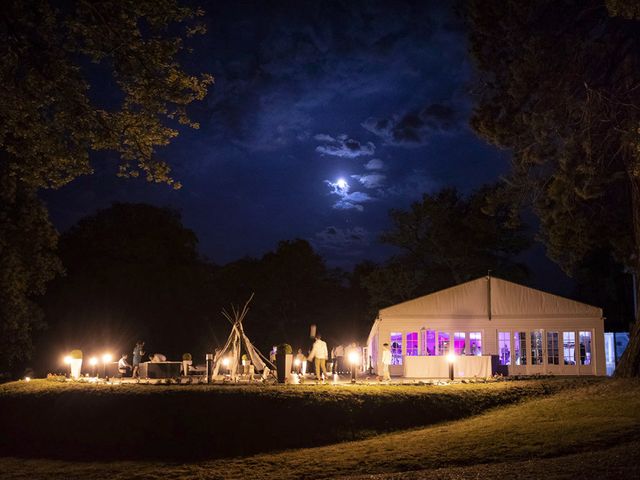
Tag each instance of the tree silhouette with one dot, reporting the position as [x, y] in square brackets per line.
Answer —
[559, 87]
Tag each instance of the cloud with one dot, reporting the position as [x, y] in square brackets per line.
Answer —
[413, 186]
[346, 240]
[416, 127]
[347, 200]
[374, 164]
[371, 180]
[323, 137]
[343, 146]
[281, 70]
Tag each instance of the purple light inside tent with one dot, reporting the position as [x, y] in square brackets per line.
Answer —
[412, 344]
[431, 342]
[443, 343]
[396, 349]
[504, 348]
[459, 343]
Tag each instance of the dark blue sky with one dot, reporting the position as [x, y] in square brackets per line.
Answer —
[324, 115]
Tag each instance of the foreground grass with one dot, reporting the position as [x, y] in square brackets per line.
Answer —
[619, 462]
[90, 421]
[596, 425]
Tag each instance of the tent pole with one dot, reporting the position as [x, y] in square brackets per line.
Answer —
[489, 294]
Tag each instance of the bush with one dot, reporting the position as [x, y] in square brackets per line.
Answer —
[186, 357]
[76, 354]
[285, 348]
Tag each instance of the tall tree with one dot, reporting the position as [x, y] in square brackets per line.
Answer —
[91, 76]
[559, 86]
[80, 77]
[133, 271]
[293, 290]
[27, 262]
[448, 238]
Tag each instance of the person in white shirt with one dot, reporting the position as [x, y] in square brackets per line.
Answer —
[320, 353]
[123, 366]
[386, 361]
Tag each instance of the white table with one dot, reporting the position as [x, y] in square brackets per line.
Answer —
[438, 366]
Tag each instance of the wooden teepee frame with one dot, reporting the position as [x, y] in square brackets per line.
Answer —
[236, 341]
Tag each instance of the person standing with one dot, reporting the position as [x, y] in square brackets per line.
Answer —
[319, 353]
[338, 366]
[386, 361]
[138, 352]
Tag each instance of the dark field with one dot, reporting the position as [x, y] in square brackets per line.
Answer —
[585, 430]
[89, 421]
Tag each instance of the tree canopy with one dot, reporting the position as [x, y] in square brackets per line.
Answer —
[294, 289]
[80, 77]
[559, 86]
[27, 262]
[133, 271]
[445, 239]
[89, 76]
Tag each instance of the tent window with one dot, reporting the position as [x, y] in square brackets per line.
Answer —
[475, 343]
[412, 344]
[553, 357]
[585, 348]
[443, 343]
[520, 347]
[396, 349]
[428, 345]
[569, 347]
[459, 343]
[536, 347]
[504, 348]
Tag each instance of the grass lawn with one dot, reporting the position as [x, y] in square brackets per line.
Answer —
[92, 421]
[589, 432]
[619, 462]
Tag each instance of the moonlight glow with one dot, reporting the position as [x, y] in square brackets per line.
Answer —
[342, 183]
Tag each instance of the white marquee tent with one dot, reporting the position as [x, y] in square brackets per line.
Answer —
[493, 326]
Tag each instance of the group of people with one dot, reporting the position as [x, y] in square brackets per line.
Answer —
[125, 368]
[320, 355]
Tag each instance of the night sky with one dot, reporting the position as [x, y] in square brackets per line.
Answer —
[324, 115]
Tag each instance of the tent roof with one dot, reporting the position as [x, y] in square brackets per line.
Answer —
[508, 299]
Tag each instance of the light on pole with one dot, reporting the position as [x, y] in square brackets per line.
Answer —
[226, 363]
[93, 361]
[106, 358]
[353, 360]
[451, 358]
[67, 361]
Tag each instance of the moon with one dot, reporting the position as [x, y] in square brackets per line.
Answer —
[342, 183]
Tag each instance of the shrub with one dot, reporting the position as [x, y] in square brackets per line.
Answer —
[76, 354]
[245, 358]
[285, 348]
[186, 357]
